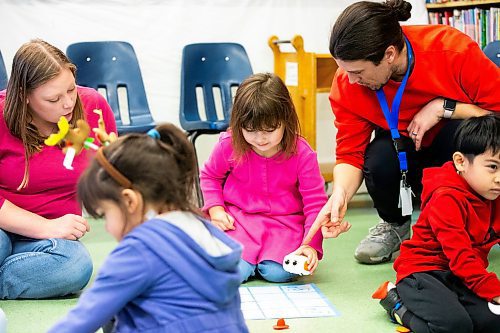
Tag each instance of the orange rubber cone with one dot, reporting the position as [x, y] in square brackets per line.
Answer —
[381, 292]
[280, 325]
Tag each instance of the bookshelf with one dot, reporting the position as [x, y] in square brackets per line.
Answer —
[458, 4]
[480, 19]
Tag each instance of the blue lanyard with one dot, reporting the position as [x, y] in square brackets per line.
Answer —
[392, 116]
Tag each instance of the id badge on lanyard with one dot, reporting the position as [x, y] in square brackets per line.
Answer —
[405, 194]
[391, 116]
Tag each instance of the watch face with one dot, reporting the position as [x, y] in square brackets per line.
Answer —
[449, 104]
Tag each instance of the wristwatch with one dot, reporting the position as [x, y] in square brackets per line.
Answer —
[449, 107]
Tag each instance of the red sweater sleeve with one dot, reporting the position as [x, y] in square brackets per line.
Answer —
[479, 77]
[353, 132]
[466, 263]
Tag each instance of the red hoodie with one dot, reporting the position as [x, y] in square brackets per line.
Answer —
[455, 231]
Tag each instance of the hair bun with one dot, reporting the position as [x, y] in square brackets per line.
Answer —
[400, 8]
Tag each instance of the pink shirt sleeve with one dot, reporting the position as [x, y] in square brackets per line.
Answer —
[214, 173]
[312, 189]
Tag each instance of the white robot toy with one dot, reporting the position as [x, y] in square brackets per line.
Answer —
[296, 264]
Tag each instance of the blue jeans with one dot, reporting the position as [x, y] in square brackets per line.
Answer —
[269, 270]
[42, 268]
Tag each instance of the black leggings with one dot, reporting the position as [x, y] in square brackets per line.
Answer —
[441, 303]
[382, 174]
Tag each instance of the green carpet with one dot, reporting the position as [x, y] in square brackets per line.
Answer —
[347, 284]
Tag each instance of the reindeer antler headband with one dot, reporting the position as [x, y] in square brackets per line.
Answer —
[112, 171]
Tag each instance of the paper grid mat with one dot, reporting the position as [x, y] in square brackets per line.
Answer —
[286, 301]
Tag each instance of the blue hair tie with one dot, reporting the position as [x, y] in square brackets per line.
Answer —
[154, 133]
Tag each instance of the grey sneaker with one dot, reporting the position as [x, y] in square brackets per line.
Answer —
[382, 242]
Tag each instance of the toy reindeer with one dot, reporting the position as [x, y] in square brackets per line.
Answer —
[100, 132]
[75, 139]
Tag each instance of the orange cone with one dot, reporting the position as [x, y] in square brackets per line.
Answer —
[381, 292]
[280, 325]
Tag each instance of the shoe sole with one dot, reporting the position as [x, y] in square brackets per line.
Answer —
[365, 259]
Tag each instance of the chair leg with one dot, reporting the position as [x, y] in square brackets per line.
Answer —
[199, 196]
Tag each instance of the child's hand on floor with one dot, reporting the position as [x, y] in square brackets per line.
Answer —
[221, 219]
[311, 254]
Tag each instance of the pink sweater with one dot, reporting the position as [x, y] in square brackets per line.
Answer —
[274, 201]
[51, 191]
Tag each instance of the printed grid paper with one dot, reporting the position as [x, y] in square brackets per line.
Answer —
[286, 301]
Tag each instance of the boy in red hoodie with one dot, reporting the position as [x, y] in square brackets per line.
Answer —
[442, 282]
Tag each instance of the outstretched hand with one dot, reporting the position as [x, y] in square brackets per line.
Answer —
[330, 217]
[329, 229]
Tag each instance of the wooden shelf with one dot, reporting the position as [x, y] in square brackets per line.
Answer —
[456, 4]
[305, 75]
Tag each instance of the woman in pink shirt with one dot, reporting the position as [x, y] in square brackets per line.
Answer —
[262, 183]
[40, 218]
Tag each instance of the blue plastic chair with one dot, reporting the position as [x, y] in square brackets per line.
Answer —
[112, 65]
[492, 51]
[209, 67]
[3, 74]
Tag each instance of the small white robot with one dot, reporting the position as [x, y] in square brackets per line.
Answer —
[296, 264]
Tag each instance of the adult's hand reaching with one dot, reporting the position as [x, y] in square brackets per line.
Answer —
[330, 219]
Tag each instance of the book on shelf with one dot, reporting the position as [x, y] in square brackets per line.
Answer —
[481, 24]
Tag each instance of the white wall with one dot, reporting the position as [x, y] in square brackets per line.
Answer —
[158, 30]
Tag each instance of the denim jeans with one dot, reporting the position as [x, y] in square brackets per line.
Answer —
[42, 268]
[269, 270]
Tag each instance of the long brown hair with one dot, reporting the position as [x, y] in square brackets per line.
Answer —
[365, 29]
[262, 102]
[162, 169]
[35, 63]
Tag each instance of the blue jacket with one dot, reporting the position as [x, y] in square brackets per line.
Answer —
[159, 279]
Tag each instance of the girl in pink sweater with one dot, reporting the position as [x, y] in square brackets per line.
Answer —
[262, 183]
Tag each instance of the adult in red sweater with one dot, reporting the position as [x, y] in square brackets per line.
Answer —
[442, 276]
[427, 74]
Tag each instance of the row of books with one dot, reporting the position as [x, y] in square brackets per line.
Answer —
[443, 1]
[482, 25]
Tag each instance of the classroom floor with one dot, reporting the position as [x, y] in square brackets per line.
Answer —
[347, 284]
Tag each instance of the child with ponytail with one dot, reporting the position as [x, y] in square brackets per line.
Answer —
[172, 271]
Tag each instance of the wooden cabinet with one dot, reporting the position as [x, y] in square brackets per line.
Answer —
[305, 74]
